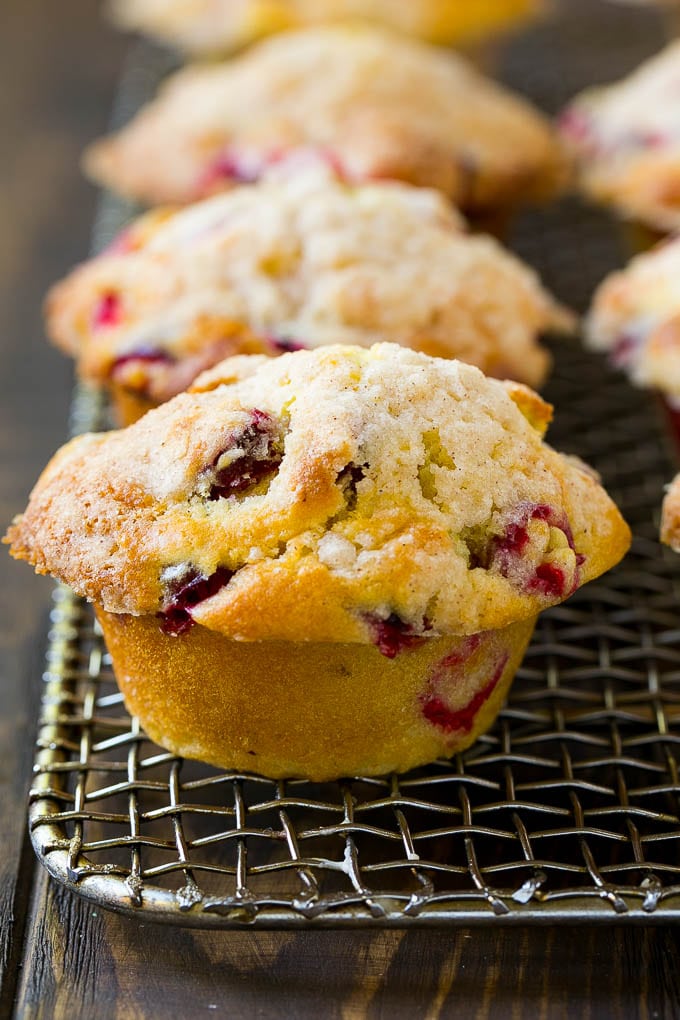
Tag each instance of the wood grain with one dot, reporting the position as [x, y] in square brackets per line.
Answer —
[58, 68]
[88, 963]
[61, 957]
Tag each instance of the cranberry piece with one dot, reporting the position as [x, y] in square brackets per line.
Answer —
[504, 553]
[650, 139]
[573, 123]
[152, 355]
[237, 166]
[122, 244]
[228, 166]
[259, 451]
[460, 720]
[285, 344]
[107, 311]
[334, 161]
[393, 635]
[186, 592]
[577, 126]
[548, 580]
[505, 548]
[624, 351]
[457, 658]
[515, 540]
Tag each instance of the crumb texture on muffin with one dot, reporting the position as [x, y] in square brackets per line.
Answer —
[211, 26]
[292, 263]
[371, 104]
[635, 318]
[626, 138]
[341, 494]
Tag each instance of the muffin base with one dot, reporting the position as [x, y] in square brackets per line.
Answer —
[314, 711]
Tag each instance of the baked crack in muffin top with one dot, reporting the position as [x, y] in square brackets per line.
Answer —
[293, 263]
[340, 494]
[626, 138]
[370, 103]
[210, 26]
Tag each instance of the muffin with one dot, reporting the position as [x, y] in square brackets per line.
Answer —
[323, 564]
[371, 104]
[290, 264]
[212, 26]
[626, 140]
[635, 318]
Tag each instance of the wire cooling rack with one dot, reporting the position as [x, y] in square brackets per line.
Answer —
[568, 808]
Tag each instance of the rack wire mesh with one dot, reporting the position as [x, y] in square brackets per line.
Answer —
[568, 808]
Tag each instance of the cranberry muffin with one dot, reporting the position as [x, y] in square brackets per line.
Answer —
[370, 103]
[626, 140]
[322, 564]
[203, 27]
[295, 263]
[635, 318]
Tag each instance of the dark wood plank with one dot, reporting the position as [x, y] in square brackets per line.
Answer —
[58, 67]
[86, 963]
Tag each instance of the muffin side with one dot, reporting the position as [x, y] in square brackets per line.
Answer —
[317, 711]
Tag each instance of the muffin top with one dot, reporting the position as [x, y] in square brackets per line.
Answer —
[626, 138]
[340, 494]
[210, 26]
[293, 263]
[635, 317]
[372, 104]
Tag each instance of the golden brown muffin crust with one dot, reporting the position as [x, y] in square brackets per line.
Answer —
[298, 263]
[371, 104]
[318, 495]
[213, 26]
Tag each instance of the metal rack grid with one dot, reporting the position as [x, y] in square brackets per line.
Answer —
[569, 808]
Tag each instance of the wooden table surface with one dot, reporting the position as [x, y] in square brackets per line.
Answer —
[59, 956]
